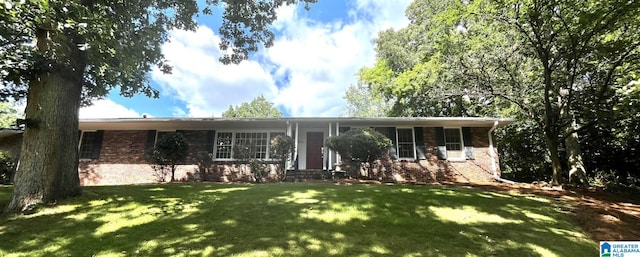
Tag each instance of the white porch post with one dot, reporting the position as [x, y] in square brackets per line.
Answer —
[330, 165]
[296, 143]
[289, 160]
[338, 157]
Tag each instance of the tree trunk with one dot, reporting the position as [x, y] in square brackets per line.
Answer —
[577, 171]
[48, 169]
[552, 146]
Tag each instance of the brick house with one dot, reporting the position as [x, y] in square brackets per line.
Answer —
[113, 151]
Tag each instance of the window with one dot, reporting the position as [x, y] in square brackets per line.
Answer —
[259, 143]
[223, 145]
[453, 142]
[87, 141]
[256, 141]
[406, 146]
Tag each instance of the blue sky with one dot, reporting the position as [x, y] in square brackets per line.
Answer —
[315, 57]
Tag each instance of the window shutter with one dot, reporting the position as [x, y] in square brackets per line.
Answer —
[419, 137]
[97, 145]
[151, 139]
[467, 138]
[442, 147]
[393, 152]
[210, 137]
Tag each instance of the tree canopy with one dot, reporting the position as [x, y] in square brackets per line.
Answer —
[554, 65]
[364, 102]
[64, 54]
[257, 108]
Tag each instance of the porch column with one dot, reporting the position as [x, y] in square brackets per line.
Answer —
[296, 143]
[338, 157]
[330, 165]
[289, 159]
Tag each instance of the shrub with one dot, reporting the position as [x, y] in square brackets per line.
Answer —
[361, 146]
[171, 150]
[7, 167]
[246, 154]
[282, 148]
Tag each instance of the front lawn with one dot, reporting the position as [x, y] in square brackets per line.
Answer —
[303, 219]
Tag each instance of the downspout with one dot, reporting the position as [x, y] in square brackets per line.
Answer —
[492, 153]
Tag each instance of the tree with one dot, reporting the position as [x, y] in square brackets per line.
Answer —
[360, 145]
[171, 150]
[557, 62]
[62, 54]
[363, 102]
[257, 108]
[282, 148]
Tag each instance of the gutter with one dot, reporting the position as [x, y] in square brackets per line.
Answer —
[492, 153]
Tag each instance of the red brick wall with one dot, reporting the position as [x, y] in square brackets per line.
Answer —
[122, 161]
[431, 169]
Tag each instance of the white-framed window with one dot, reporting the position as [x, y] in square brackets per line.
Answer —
[87, 141]
[224, 145]
[260, 142]
[255, 140]
[453, 142]
[406, 143]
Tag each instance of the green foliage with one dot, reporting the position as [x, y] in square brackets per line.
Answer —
[7, 168]
[119, 42]
[282, 148]
[247, 153]
[551, 64]
[8, 116]
[361, 145]
[171, 150]
[257, 108]
[362, 102]
[523, 157]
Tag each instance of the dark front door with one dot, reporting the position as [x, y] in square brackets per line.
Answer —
[314, 150]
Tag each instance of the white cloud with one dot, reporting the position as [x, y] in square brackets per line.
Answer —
[313, 63]
[199, 79]
[321, 60]
[107, 109]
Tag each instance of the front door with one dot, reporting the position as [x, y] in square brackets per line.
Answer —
[314, 150]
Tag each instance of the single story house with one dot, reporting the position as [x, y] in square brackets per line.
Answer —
[425, 149]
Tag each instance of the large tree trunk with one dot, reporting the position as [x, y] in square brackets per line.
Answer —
[48, 169]
[577, 171]
[552, 146]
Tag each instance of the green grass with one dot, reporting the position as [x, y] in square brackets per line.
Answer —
[293, 220]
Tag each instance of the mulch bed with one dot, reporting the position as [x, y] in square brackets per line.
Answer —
[602, 215]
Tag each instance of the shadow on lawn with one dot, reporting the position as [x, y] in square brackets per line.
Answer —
[295, 220]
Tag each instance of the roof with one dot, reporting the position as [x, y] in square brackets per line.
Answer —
[207, 123]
